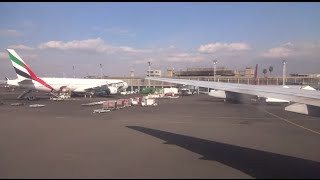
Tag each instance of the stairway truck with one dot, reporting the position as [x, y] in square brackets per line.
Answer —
[22, 95]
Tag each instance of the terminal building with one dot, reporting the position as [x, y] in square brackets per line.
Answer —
[245, 76]
[153, 73]
[220, 71]
[248, 72]
[305, 75]
[205, 72]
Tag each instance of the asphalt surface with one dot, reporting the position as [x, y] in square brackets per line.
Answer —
[190, 137]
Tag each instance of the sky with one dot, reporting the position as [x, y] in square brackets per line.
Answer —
[59, 39]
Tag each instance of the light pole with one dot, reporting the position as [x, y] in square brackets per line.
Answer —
[100, 71]
[131, 74]
[149, 69]
[284, 62]
[73, 72]
[214, 70]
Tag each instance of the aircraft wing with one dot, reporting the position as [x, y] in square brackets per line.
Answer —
[91, 87]
[294, 95]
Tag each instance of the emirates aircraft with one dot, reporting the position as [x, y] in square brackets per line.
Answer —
[29, 80]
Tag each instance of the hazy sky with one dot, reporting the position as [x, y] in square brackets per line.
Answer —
[53, 37]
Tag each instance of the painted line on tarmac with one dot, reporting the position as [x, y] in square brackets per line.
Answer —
[178, 122]
[253, 118]
[284, 119]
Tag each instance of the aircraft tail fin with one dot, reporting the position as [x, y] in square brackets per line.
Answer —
[22, 69]
[7, 79]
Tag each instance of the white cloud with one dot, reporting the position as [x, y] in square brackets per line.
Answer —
[183, 57]
[28, 56]
[74, 45]
[282, 51]
[20, 47]
[301, 49]
[166, 56]
[4, 55]
[95, 45]
[10, 32]
[132, 50]
[217, 47]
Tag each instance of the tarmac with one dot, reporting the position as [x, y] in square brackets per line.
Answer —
[194, 136]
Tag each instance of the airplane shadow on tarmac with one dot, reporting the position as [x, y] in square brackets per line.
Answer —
[256, 163]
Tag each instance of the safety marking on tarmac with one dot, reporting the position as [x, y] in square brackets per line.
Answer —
[177, 122]
[226, 117]
[253, 118]
[61, 117]
[293, 123]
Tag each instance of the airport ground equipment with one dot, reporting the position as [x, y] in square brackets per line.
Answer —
[148, 101]
[127, 92]
[62, 95]
[89, 104]
[170, 90]
[120, 104]
[36, 105]
[134, 101]
[56, 99]
[24, 93]
[186, 92]
[17, 104]
[116, 104]
[110, 105]
[93, 103]
[162, 96]
[125, 102]
[101, 110]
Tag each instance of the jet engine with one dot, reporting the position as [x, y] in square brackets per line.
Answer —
[112, 90]
[64, 89]
[232, 96]
[218, 94]
[123, 86]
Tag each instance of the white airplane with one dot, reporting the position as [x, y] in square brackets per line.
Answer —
[307, 100]
[29, 80]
